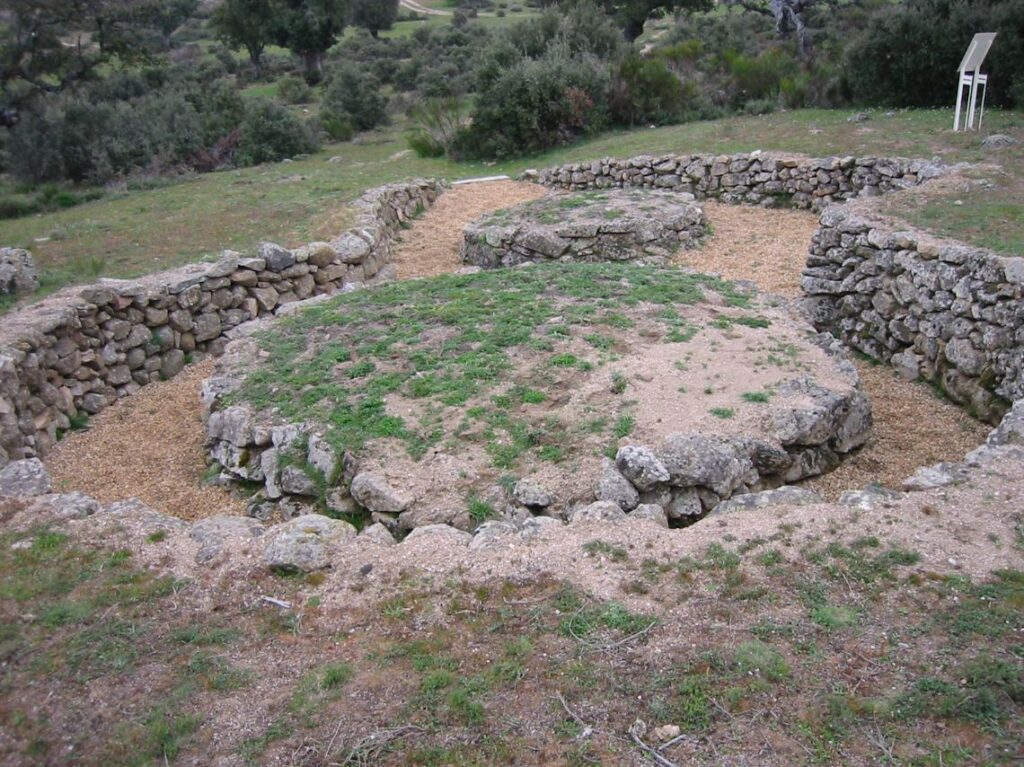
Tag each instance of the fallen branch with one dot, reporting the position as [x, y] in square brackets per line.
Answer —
[626, 640]
[635, 731]
[276, 602]
[369, 748]
[587, 730]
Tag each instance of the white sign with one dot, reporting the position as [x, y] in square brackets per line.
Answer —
[970, 76]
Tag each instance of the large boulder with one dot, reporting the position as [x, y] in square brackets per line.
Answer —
[440, 532]
[998, 141]
[211, 533]
[377, 534]
[134, 513]
[651, 512]
[493, 534]
[717, 463]
[24, 478]
[612, 486]
[532, 494]
[600, 511]
[374, 493]
[1011, 429]
[640, 465]
[304, 544]
[17, 272]
[782, 496]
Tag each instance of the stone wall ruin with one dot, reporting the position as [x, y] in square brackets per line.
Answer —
[79, 351]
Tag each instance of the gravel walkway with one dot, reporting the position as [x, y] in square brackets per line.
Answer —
[150, 445]
[747, 243]
[147, 446]
[431, 246]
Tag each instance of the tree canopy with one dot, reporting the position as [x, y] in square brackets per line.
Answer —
[249, 24]
[51, 45]
[632, 14]
[308, 28]
[374, 15]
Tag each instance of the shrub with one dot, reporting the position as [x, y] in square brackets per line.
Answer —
[271, 133]
[645, 91]
[355, 95]
[535, 105]
[337, 128]
[436, 122]
[908, 54]
[90, 138]
[758, 78]
[759, 106]
[294, 90]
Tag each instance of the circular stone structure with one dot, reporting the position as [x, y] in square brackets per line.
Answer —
[611, 225]
[538, 391]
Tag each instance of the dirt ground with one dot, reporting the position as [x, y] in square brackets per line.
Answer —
[790, 636]
[150, 445]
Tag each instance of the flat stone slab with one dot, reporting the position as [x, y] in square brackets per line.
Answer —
[611, 225]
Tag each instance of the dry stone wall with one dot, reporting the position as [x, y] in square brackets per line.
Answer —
[78, 352]
[688, 474]
[754, 178]
[940, 311]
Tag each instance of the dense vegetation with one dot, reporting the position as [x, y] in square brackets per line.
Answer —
[162, 87]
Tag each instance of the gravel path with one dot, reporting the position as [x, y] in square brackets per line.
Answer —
[150, 445]
[431, 246]
[747, 243]
[147, 446]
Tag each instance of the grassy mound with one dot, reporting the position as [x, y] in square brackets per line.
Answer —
[487, 346]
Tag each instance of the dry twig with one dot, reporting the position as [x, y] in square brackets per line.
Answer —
[587, 730]
[368, 749]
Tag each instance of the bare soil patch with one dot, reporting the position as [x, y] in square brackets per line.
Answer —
[823, 635]
[431, 247]
[148, 446]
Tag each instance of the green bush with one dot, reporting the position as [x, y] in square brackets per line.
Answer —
[756, 78]
[535, 105]
[436, 123]
[119, 127]
[759, 106]
[645, 92]
[355, 95]
[337, 128]
[271, 133]
[294, 90]
[908, 54]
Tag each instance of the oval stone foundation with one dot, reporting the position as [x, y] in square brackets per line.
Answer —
[611, 225]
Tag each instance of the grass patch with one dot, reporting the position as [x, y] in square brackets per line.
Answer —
[446, 342]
